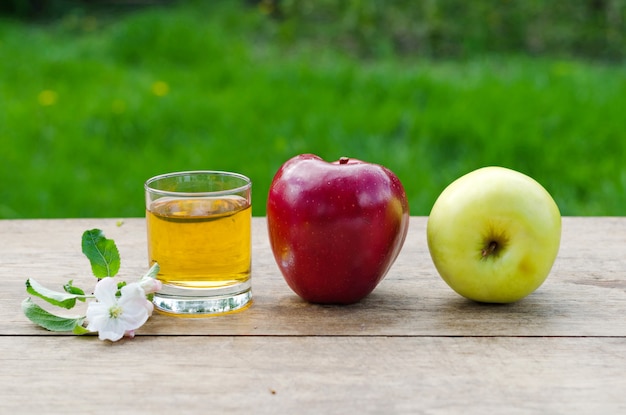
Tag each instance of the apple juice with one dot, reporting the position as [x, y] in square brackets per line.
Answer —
[200, 242]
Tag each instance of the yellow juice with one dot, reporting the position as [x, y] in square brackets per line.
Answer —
[200, 243]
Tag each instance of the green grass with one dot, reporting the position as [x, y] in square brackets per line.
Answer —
[92, 107]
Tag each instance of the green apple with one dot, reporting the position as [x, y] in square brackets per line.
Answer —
[493, 235]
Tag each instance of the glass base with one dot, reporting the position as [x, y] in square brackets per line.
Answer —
[193, 302]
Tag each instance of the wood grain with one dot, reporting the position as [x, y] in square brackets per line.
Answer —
[299, 375]
[411, 347]
[585, 295]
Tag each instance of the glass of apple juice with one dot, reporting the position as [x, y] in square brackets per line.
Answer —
[198, 226]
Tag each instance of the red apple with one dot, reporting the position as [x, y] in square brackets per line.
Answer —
[335, 228]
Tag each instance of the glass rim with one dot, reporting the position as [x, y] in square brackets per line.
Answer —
[246, 186]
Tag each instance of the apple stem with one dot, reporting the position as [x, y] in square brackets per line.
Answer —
[343, 160]
[490, 249]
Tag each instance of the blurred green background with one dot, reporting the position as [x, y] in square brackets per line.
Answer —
[98, 96]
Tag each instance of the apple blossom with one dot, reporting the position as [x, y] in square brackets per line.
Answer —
[150, 285]
[113, 317]
[114, 313]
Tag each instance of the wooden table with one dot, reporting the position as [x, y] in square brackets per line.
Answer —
[412, 346]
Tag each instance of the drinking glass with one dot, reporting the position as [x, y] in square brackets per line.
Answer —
[199, 226]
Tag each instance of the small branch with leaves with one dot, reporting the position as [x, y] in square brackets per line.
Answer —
[115, 309]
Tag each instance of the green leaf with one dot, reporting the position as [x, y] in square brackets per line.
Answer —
[79, 328]
[70, 288]
[57, 298]
[50, 321]
[102, 253]
[153, 271]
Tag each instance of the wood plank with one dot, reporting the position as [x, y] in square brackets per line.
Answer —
[330, 375]
[584, 296]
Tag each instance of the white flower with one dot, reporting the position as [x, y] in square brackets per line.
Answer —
[112, 317]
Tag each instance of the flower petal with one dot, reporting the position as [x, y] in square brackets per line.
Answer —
[112, 330]
[132, 290]
[97, 315]
[133, 301]
[105, 291]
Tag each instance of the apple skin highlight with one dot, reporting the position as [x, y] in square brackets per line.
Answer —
[494, 234]
[335, 228]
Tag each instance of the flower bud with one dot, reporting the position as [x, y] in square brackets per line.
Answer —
[150, 285]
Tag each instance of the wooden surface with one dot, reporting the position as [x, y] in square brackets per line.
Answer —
[412, 346]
